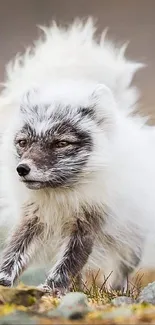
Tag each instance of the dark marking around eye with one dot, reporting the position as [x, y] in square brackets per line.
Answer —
[61, 144]
[22, 143]
[65, 164]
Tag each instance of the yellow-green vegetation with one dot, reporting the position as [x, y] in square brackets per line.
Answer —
[29, 305]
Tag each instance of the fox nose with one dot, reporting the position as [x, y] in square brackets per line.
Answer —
[23, 169]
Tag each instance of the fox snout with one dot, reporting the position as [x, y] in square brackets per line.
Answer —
[23, 169]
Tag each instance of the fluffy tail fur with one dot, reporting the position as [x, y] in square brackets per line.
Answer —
[72, 51]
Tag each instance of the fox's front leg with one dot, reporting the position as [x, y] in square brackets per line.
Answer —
[75, 256]
[20, 250]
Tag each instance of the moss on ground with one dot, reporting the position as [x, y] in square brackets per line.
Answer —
[28, 305]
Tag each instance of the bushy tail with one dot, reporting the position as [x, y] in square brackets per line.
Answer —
[75, 52]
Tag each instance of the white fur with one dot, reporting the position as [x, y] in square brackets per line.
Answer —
[66, 66]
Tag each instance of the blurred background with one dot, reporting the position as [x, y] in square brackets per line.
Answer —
[132, 20]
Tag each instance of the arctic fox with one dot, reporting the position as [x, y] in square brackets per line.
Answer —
[78, 167]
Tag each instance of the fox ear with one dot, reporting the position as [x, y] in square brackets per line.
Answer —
[104, 101]
[102, 92]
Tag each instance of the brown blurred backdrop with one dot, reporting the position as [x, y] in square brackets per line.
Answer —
[132, 20]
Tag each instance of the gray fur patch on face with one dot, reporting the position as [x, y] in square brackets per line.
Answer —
[57, 154]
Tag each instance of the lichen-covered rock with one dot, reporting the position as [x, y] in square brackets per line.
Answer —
[22, 295]
[73, 306]
[26, 305]
[147, 295]
[122, 300]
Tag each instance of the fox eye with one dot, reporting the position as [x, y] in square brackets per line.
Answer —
[62, 144]
[22, 143]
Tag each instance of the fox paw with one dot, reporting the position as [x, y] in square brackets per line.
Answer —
[5, 280]
[56, 292]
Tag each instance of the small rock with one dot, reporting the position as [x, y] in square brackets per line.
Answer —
[119, 312]
[122, 300]
[74, 298]
[73, 306]
[147, 295]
